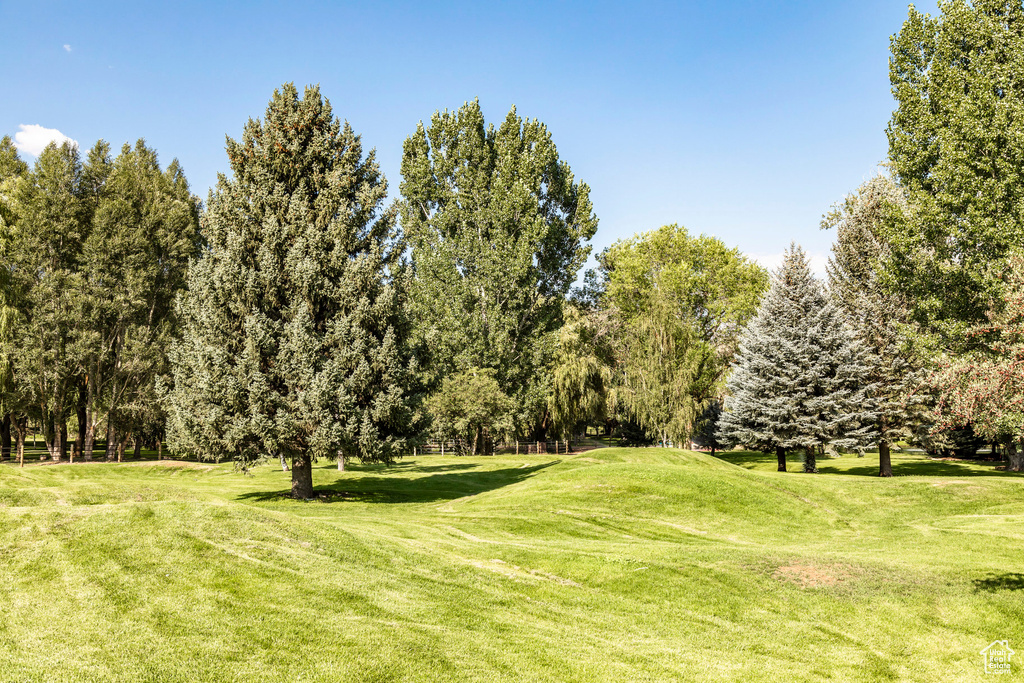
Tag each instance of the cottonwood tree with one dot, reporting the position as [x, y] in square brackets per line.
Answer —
[680, 302]
[879, 318]
[470, 407]
[498, 228]
[955, 147]
[294, 334]
[800, 378]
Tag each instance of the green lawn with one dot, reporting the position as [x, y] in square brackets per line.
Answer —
[617, 564]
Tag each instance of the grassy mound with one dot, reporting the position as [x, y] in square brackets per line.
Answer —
[617, 564]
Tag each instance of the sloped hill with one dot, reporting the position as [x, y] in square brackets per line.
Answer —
[618, 564]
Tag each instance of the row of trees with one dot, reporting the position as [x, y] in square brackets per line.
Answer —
[94, 252]
[300, 315]
[918, 335]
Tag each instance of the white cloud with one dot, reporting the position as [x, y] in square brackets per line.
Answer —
[773, 261]
[67, 48]
[33, 138]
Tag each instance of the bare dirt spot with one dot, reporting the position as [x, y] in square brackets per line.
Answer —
[813, 575]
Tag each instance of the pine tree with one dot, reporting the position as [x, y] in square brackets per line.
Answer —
[878, 317]
[53, 224]
[293, 325]
[799, 380]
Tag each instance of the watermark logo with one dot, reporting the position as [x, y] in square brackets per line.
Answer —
[997, 657]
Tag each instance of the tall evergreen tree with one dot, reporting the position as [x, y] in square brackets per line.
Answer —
[799, 381]
[878, 317]
[294, 335]
[498, 228]
[53, 225]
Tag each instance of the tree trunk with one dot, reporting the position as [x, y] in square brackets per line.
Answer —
[90, 439]
[111, 441]
[341, 461]
[122, 443]
[48, 435]
[884, 459]
[59, 434]
[302, 477]
[5, 438]
[780, 455]
[137, 454]
[811, 460]
[19, 435]
[82, 421]
[284, 463]
[1016, 457]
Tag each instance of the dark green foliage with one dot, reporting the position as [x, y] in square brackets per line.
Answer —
[955, 146]
[145, 230]
[705, 431]
[294, 329]
[498, 228]
[53, 223]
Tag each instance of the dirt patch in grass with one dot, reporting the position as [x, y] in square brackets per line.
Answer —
[808, 575]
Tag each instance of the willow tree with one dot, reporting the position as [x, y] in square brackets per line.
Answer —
[498, 228]
[294, 335]
[680, 302]
[582, 371]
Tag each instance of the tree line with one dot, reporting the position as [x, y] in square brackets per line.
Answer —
[297, 314]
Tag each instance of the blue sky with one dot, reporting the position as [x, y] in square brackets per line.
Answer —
[743, 120]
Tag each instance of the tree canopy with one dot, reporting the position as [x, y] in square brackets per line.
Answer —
[680, 302]
[498, 228]
[294, 336]
[955, 148]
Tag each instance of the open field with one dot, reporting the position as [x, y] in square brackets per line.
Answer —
[617, 564]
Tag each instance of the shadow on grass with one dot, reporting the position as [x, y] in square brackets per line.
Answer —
[396, 489]
[1010, 581]
[917, 468]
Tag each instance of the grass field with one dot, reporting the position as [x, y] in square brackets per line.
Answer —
[616, 564]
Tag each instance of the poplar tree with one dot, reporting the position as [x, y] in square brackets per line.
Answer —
[12, 173]
[799, 381]
[878, 317]
[498, 228]
[294, 337]
[955, 147]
